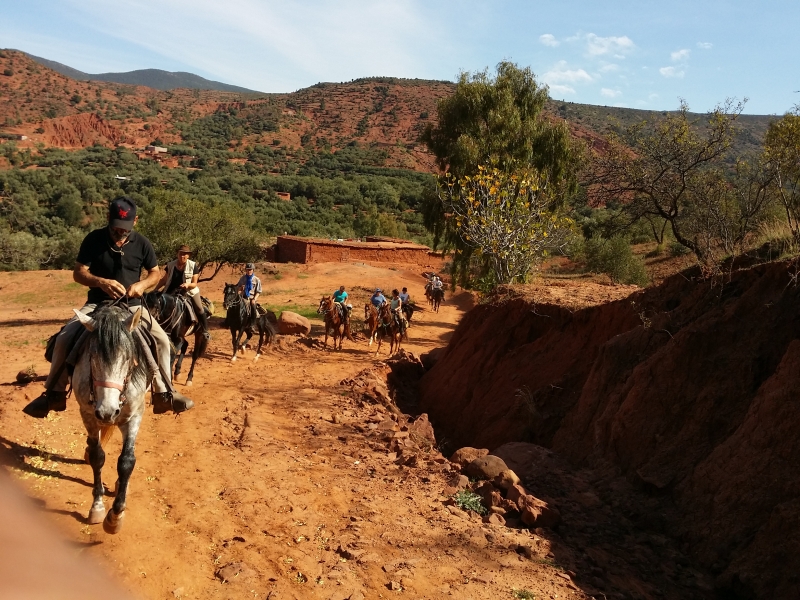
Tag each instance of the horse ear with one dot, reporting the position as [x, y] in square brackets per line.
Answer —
[132, 322]
[86, 321]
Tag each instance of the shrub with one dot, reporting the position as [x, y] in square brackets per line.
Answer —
[615, 258]
[677, 249]
[467, 500]
[8, 72]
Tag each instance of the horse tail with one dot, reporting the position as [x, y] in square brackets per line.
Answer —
[106, 434]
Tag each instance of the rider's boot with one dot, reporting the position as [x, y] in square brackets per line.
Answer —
[171, 401]
[204, 325]
[49, 400]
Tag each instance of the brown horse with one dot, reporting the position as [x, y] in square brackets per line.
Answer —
[371, 321]
[437, 297]
[334, 322]
[388, 324]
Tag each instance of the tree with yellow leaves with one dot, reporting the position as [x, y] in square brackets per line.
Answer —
[508, 219]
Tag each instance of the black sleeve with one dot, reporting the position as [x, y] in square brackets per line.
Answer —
[149, 260]
[196, 269]
[87, 250]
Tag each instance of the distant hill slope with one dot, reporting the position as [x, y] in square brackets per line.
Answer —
[379, 117]
[153, 78]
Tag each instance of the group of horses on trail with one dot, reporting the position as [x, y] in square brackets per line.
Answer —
[113, 369]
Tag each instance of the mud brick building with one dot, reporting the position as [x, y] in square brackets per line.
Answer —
[294, 249]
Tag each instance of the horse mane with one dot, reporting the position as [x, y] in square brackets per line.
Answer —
[114, 341]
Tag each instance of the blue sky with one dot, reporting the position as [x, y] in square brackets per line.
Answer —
[638, 54]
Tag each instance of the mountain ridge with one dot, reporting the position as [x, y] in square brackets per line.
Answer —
[154, 78]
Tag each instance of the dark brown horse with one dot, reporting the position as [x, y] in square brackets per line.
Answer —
[335, 321]
[437, 297]
[172, 314]
[391, 325]
[241, 322]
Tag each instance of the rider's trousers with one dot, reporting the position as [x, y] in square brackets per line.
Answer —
[62, 349]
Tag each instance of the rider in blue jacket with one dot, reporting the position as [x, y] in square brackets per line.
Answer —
[377, 298]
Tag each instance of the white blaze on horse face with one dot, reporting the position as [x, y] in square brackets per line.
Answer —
[108, 399]
[87, 322]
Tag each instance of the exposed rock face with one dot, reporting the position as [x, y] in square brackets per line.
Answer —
[291, 323]
[689, 389]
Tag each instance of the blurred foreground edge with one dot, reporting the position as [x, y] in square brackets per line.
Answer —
[35, 563]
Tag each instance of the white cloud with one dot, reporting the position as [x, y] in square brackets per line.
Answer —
[562, 74]
[618, 47]
[561, 89]
[680, 55]
[671, 72]
[609, 93]
[272, 46]
[705, 45]
[609, 68]
[548, 39]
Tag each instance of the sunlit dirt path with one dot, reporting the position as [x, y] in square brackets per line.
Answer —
[272, 482]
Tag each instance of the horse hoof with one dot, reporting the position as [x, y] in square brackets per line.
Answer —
[233, 360]
[189, 383]
[256, 357]
[113, 522]
[97, 514]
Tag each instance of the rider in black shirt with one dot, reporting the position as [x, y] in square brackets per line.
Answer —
[109, 263]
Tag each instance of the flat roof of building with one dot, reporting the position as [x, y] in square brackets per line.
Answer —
[356, 243]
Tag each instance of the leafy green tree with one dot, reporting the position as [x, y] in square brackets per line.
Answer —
[496, 121]
[675, 170]
[510, 220]
[219, 234]
[782, 152]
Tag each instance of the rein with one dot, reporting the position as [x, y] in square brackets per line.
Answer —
[122, 387]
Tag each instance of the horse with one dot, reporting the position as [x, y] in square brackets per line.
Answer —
[240, 321]
[171, 313]
[110, 379]
[437, 297]
[371, 321]
[335, 322]
[387, 323]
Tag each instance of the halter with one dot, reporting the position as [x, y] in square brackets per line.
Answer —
[123, 387]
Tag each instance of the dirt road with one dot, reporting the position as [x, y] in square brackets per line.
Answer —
[269, 488]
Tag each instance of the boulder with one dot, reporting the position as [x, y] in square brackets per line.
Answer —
[537, 513]
[505, 480]
[514, 493]
[458, 481]
[464, 456]
[421, 432]
[291, 323]
[487, 467]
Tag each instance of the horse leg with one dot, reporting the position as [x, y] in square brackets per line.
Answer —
[97, 458]
[200, 345]
[260, 340]
[125, 463]
[183, 346]
[234, 343]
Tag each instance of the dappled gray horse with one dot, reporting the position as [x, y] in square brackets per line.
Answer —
[110, 379]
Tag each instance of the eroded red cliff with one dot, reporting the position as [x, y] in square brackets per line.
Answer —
[691, 390]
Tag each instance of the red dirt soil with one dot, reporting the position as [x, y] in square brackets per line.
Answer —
[688, 390]
[277, 481]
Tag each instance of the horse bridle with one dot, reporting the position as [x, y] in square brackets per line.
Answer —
[122, 387]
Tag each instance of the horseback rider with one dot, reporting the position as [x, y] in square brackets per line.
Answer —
[109, 263]
[377, 298]
[340, 296]
[396, 305]
[249, 286]
[408, 309]
[181, 276]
